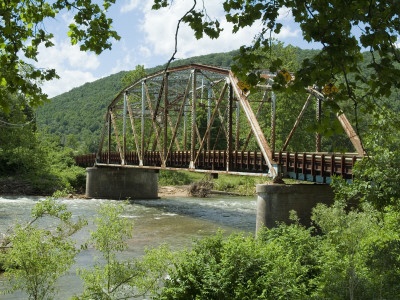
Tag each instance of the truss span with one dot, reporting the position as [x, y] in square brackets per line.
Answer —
[200, 118]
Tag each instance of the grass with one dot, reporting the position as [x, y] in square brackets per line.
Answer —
[245, 185]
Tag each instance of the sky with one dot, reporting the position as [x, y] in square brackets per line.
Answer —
[147, 38]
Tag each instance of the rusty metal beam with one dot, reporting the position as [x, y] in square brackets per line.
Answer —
[153, 117]
[182, 108]
[221, 117]
[211, 122]
[262, 142]
[219, 133]
[171, 126]
[318, 111]
[355, 140]
[109, 136]
[185, 125]
[131, 117]
[103, 134]
[116, 135]
[208, 68]
[246, 143]
[273, 120]
[229, 141]
[165, 133]
[124, 129]
[297, 122]
[193, 138]
[237, 139]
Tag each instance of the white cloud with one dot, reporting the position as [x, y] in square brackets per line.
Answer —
[145, 51]
[129, 5]
[72, 65]
[126, 60]
[68, 17]
[287, 31]
[159, 28]
[284, 13]
[68, 80]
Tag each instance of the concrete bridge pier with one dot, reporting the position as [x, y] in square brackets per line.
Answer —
[275, 201]
[121, 183]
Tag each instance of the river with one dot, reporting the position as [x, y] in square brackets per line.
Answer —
[172, 220]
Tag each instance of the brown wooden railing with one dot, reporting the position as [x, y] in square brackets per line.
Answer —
[302, 166]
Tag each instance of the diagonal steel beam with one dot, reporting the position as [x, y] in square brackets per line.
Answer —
[116, 135]
[153, 118]
[246, 143]
[353, 136]
[297, 122]
[134, 129]
[171, 126]
[103, 134]
[355, 140]
[220, 117]
[252, 119]
[211, 122]
[182, 108]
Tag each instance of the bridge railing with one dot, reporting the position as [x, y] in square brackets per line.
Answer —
[303, 166]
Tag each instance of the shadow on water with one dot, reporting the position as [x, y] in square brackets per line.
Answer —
[238, 212]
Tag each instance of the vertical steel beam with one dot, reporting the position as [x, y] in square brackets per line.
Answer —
[209, 125]
[109, 138]
[317, 134]
[202, 91]
[182, 108]
[229, 141]
[209, 97]
[237, 126]
[124, 130]
[103, 134]
[116, 135]
[132, 118]
[273, 121]
[193, 133]
[185, 124]
[143, 123]
[165, 135]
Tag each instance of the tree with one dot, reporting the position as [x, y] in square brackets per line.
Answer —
[112, 278]
[38, 256]
[133, 75]
[23, 30]
[377, 177]
[343, 28]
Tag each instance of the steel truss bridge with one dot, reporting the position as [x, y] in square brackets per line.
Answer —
[200, 118]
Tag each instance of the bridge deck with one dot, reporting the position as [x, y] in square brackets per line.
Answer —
[316, 167]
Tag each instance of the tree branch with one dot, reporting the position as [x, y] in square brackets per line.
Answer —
[176, 35]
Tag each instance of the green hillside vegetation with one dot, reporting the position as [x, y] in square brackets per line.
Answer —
[76, 117]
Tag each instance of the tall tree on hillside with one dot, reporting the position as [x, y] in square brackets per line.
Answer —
[23, 29]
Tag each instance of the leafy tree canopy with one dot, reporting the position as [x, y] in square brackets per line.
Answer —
[344, 29]
[23, 30]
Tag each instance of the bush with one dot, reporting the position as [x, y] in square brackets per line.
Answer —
[167, 177]
[274, 266]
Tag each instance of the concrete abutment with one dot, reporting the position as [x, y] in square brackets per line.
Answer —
[121, 183]
[275, 201]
